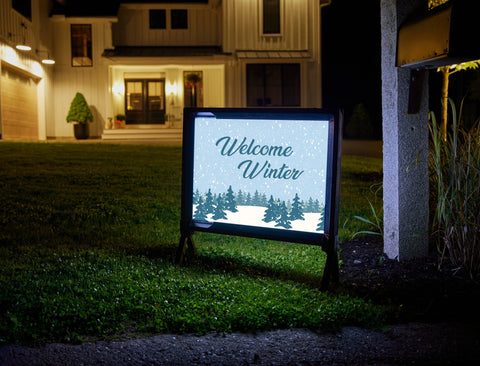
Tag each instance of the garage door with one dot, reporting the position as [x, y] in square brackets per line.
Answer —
[19, 105]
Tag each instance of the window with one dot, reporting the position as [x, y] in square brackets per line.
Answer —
[158, 19]
[24, 7]
[179, 18]
[81, 45]
[273, 85]
[271, 16]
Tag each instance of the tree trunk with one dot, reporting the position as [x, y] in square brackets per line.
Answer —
[444, 114]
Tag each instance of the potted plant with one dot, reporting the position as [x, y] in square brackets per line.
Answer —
[81, 115]
[120, 120]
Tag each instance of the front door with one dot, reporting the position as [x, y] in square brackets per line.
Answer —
[145, 101]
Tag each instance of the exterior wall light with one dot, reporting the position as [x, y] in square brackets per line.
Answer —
[22, 46]
[172, 89]
[46, 60]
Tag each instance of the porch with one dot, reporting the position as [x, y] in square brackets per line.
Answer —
[145, 133]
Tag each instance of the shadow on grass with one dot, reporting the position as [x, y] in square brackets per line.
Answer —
[229, 264]
[222, 262]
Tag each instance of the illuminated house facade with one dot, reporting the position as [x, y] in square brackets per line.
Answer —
[147, 60]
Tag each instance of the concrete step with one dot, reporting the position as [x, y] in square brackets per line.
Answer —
[143, 133]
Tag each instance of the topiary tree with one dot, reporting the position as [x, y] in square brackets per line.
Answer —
[79, 110]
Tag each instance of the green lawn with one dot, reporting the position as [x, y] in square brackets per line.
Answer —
[88, 234]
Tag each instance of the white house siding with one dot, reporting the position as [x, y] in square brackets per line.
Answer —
[132, 29]
[27, 63]
[92, 81]
[242, 31]
[299, 42]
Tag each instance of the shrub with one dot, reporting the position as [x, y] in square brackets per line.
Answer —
[455, 181]
[79, 110]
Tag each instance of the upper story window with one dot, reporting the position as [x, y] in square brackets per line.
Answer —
[24, 7]
[271, 17]
[158, 18]
[81, 39]
[179, 18]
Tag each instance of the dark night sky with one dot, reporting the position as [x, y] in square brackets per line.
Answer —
[351, 57]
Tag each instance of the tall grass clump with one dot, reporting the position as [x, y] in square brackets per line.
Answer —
[455, 182]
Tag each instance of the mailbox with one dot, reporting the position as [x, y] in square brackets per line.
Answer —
[442, 36]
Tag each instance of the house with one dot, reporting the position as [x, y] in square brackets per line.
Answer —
[147, 60]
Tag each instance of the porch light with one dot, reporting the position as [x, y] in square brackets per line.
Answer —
[118, 88]
[171, 89]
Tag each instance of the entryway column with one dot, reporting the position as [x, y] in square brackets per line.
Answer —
[405, 184]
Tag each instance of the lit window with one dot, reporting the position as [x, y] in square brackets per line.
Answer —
[158, 19]
[81, 45]
[179, 19]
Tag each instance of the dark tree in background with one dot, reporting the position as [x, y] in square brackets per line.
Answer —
[351, 58]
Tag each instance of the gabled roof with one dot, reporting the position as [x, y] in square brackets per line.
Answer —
[85, 8]
[151, 51]
[104, 8]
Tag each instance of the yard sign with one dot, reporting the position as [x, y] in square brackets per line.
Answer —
[264, 173]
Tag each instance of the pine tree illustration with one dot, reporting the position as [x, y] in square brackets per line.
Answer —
[316, 206]
[271, 211]
[283, 220]
[321, 221]
[200, 212]
[248, 200]
[297, 210]
[264, 200]
[240, 198]
[309, 206]
[209, 203]
[256, 199]
[230, 203]
[195, 197]
[219, 212]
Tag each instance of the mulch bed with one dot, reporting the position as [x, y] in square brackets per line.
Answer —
[420, 290]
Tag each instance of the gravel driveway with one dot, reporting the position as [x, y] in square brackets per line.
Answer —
[413, 343]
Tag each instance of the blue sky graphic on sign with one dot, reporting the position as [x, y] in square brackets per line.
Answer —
[269, 173]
